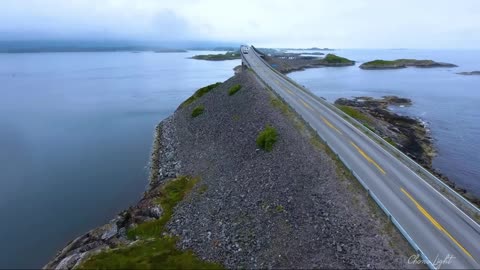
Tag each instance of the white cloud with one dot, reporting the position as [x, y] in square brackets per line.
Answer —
[330, 23]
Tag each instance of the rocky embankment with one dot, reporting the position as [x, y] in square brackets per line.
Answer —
[403, 63]
[292, 207]
[286, 64]
[408, 134]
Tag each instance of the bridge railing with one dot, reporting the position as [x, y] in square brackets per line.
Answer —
[462, 202]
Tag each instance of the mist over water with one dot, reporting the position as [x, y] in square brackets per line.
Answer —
[448, 102]
[75, 133]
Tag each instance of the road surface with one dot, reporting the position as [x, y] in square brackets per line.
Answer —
[446, 235]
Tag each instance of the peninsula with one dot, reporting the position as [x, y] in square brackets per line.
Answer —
[403, 63]
[238, 180]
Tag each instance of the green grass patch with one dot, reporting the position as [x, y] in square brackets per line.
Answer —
[198, 110]
[354, 113]
[369, 127]
[278, 104]
[390, 141]
[287, 111]
[267, 138]
[234, 89]
[334, 59]
[160, 253]
[154, 251]
[381, 63]
[199, 93]
[170, 195]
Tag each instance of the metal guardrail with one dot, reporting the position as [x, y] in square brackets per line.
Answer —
[370, 193]
[387, 146]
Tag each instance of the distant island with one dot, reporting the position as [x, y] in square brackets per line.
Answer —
[314, 53]
[470, 73]
[286, 63]
[403, 63]
[334, 60]
[218, 57]
[310, 49]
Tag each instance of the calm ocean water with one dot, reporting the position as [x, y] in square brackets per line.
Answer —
[75, 137]
[448, 102]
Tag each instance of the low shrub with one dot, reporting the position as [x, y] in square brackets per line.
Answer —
[267, 138]
[234, 89]
[198, 110]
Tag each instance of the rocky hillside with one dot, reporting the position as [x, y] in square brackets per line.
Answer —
[217, 199]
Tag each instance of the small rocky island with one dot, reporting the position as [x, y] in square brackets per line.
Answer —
[218, 57]
[289, 63]
[470, 73]
[403, 63]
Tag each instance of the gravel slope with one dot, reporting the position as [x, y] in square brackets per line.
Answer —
[286, 208]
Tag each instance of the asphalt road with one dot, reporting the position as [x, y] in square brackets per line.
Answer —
[446, 235]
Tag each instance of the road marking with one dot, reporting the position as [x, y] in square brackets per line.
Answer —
[368, 158]
[435, 223]
[330, 125]
[291, 93]
[305, 104]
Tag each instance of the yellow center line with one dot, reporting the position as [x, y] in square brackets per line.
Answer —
[330, 125]
[368, 158]
[435, 223]
[305, 104]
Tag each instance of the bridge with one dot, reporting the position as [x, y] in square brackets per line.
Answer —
[439, 231]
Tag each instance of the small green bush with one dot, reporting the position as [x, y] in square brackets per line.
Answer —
[234, 89]
[198, 110]
[267, 138]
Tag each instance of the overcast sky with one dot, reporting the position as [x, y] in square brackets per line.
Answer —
[273, 23]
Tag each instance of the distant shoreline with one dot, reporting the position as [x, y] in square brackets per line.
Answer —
[66, 50]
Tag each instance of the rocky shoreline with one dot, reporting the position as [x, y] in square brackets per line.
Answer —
[293, 207]
[410, 135]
